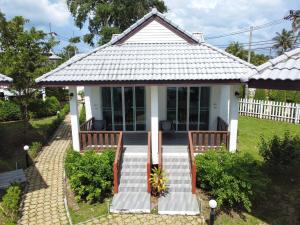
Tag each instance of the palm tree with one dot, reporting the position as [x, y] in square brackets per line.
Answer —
[237, 49]
[284, 41]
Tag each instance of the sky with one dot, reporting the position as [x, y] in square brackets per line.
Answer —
[212, 17]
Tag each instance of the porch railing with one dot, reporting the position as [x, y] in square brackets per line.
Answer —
[160, 161]
[87, 125]
[192, 162]
[149, 163]
[118, 159]
[205, 140]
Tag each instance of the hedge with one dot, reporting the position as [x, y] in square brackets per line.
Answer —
[9, 111]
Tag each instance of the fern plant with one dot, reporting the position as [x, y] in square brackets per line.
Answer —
[158, 182]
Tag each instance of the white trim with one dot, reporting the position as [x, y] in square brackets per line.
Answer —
[74, 118]
[154, 123]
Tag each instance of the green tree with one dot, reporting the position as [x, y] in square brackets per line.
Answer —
[71, 49]
[23, 57]
[107, 17]
[284, 41]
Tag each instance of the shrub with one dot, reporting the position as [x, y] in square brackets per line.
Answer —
[10, 203]
[82, 117]
[39, 108]
[9, 111]
[158, 181]
[34, 149]
[279, 152]
[260, 94]
[233, 179]
[90, 174]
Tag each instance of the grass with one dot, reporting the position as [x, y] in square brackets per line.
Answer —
[251, 129]
[14, 135]
[281, 204]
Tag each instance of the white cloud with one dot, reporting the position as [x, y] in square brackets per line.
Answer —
[39, 12]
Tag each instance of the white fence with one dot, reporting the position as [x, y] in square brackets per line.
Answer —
[281, 111]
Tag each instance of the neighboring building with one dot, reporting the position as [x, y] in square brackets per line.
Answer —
[155, 76]
[281, 73]
[4, 83]
[4, 80]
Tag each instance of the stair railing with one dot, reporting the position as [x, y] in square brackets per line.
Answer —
[192, 162]
[117, 162]
[149, 163]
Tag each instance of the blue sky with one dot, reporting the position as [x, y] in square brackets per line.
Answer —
[212, 17]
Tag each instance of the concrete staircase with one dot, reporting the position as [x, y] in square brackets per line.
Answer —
[179, 199]
[133, 196]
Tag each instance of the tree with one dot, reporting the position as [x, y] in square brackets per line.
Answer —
[23, 57]
[284, 41]
[107, 17]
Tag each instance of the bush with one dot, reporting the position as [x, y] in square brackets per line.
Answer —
[60, 93]
[39, 108]
[9, 111]
[82, 117]
[260, 94]
[279, 152]
[233, 179]
[10, 204]
[90, 174]
[34, 149]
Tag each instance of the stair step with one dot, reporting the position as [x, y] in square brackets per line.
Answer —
[133, 166]
[175, 167]
[131, 158]
[132, 173]
[176, 163]
[179, 189]
[132, 189]
[130, 179]
[134, 169]
[176, 170]
[175, 159]
[177, 173]
[179, 182]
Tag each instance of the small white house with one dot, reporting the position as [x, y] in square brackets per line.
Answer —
[154, 77]
[4, 80]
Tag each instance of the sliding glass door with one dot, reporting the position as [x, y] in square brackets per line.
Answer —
[124, 108]
[188, 108]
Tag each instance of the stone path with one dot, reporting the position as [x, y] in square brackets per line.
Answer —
[44, 198]
[145, 219]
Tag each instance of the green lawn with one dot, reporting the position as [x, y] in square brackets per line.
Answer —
[14, 135]
[251, 129]
[281, 204]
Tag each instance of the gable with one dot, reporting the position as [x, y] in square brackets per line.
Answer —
[155, 32]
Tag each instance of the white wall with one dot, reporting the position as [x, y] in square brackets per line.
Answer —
[224, 102]
[233, 117]
[155, 32]
[93, 102]
[214, 108]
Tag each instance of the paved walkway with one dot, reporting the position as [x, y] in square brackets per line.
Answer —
[145, 219]
[44, 198]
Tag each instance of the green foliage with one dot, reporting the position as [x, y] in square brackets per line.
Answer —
[238, 50]
[158, 181]
[280, 152]
[39, 108]
[9, 111]
[60, 117]
[90, 174]
[82, 117]
[284, 41]
[233, 179]
[109, 16]
[10, 204]
[260, 94]
[23, 57]
[60, 93]
[34, 149]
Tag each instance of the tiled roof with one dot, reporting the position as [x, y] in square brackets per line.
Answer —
[5, 79]
[150, 61]
[284, 67]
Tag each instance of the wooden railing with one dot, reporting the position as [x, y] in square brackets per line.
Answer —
[99, 140]
[149, 163]
[87, 125]
[118, 159]
[160, 161]
[221, 125]
[205, 140]
[192, 163]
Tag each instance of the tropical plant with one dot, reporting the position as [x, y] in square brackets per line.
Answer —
[106, 18]
[279, 152]
[284, 41]
[158, 181]
[233, 179]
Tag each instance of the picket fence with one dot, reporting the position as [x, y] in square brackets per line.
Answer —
[280, 111]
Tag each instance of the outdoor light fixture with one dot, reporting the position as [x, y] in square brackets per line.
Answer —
[71, 94]
[26, 148]
[237, 94]
[212, 204]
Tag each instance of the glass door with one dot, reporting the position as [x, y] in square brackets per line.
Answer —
[140, 116]
[129, 108]
[181, 108]
[117, 108]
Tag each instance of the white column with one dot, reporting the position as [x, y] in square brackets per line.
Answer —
[74, 117]
[233, 122]
[225, 103]
[154, 123]
[93, 102]
[87, 102]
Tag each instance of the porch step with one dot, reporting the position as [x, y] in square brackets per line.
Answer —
[132, 187]
[174, 159]
[131, 179]
[170, 167]
[179, 187]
